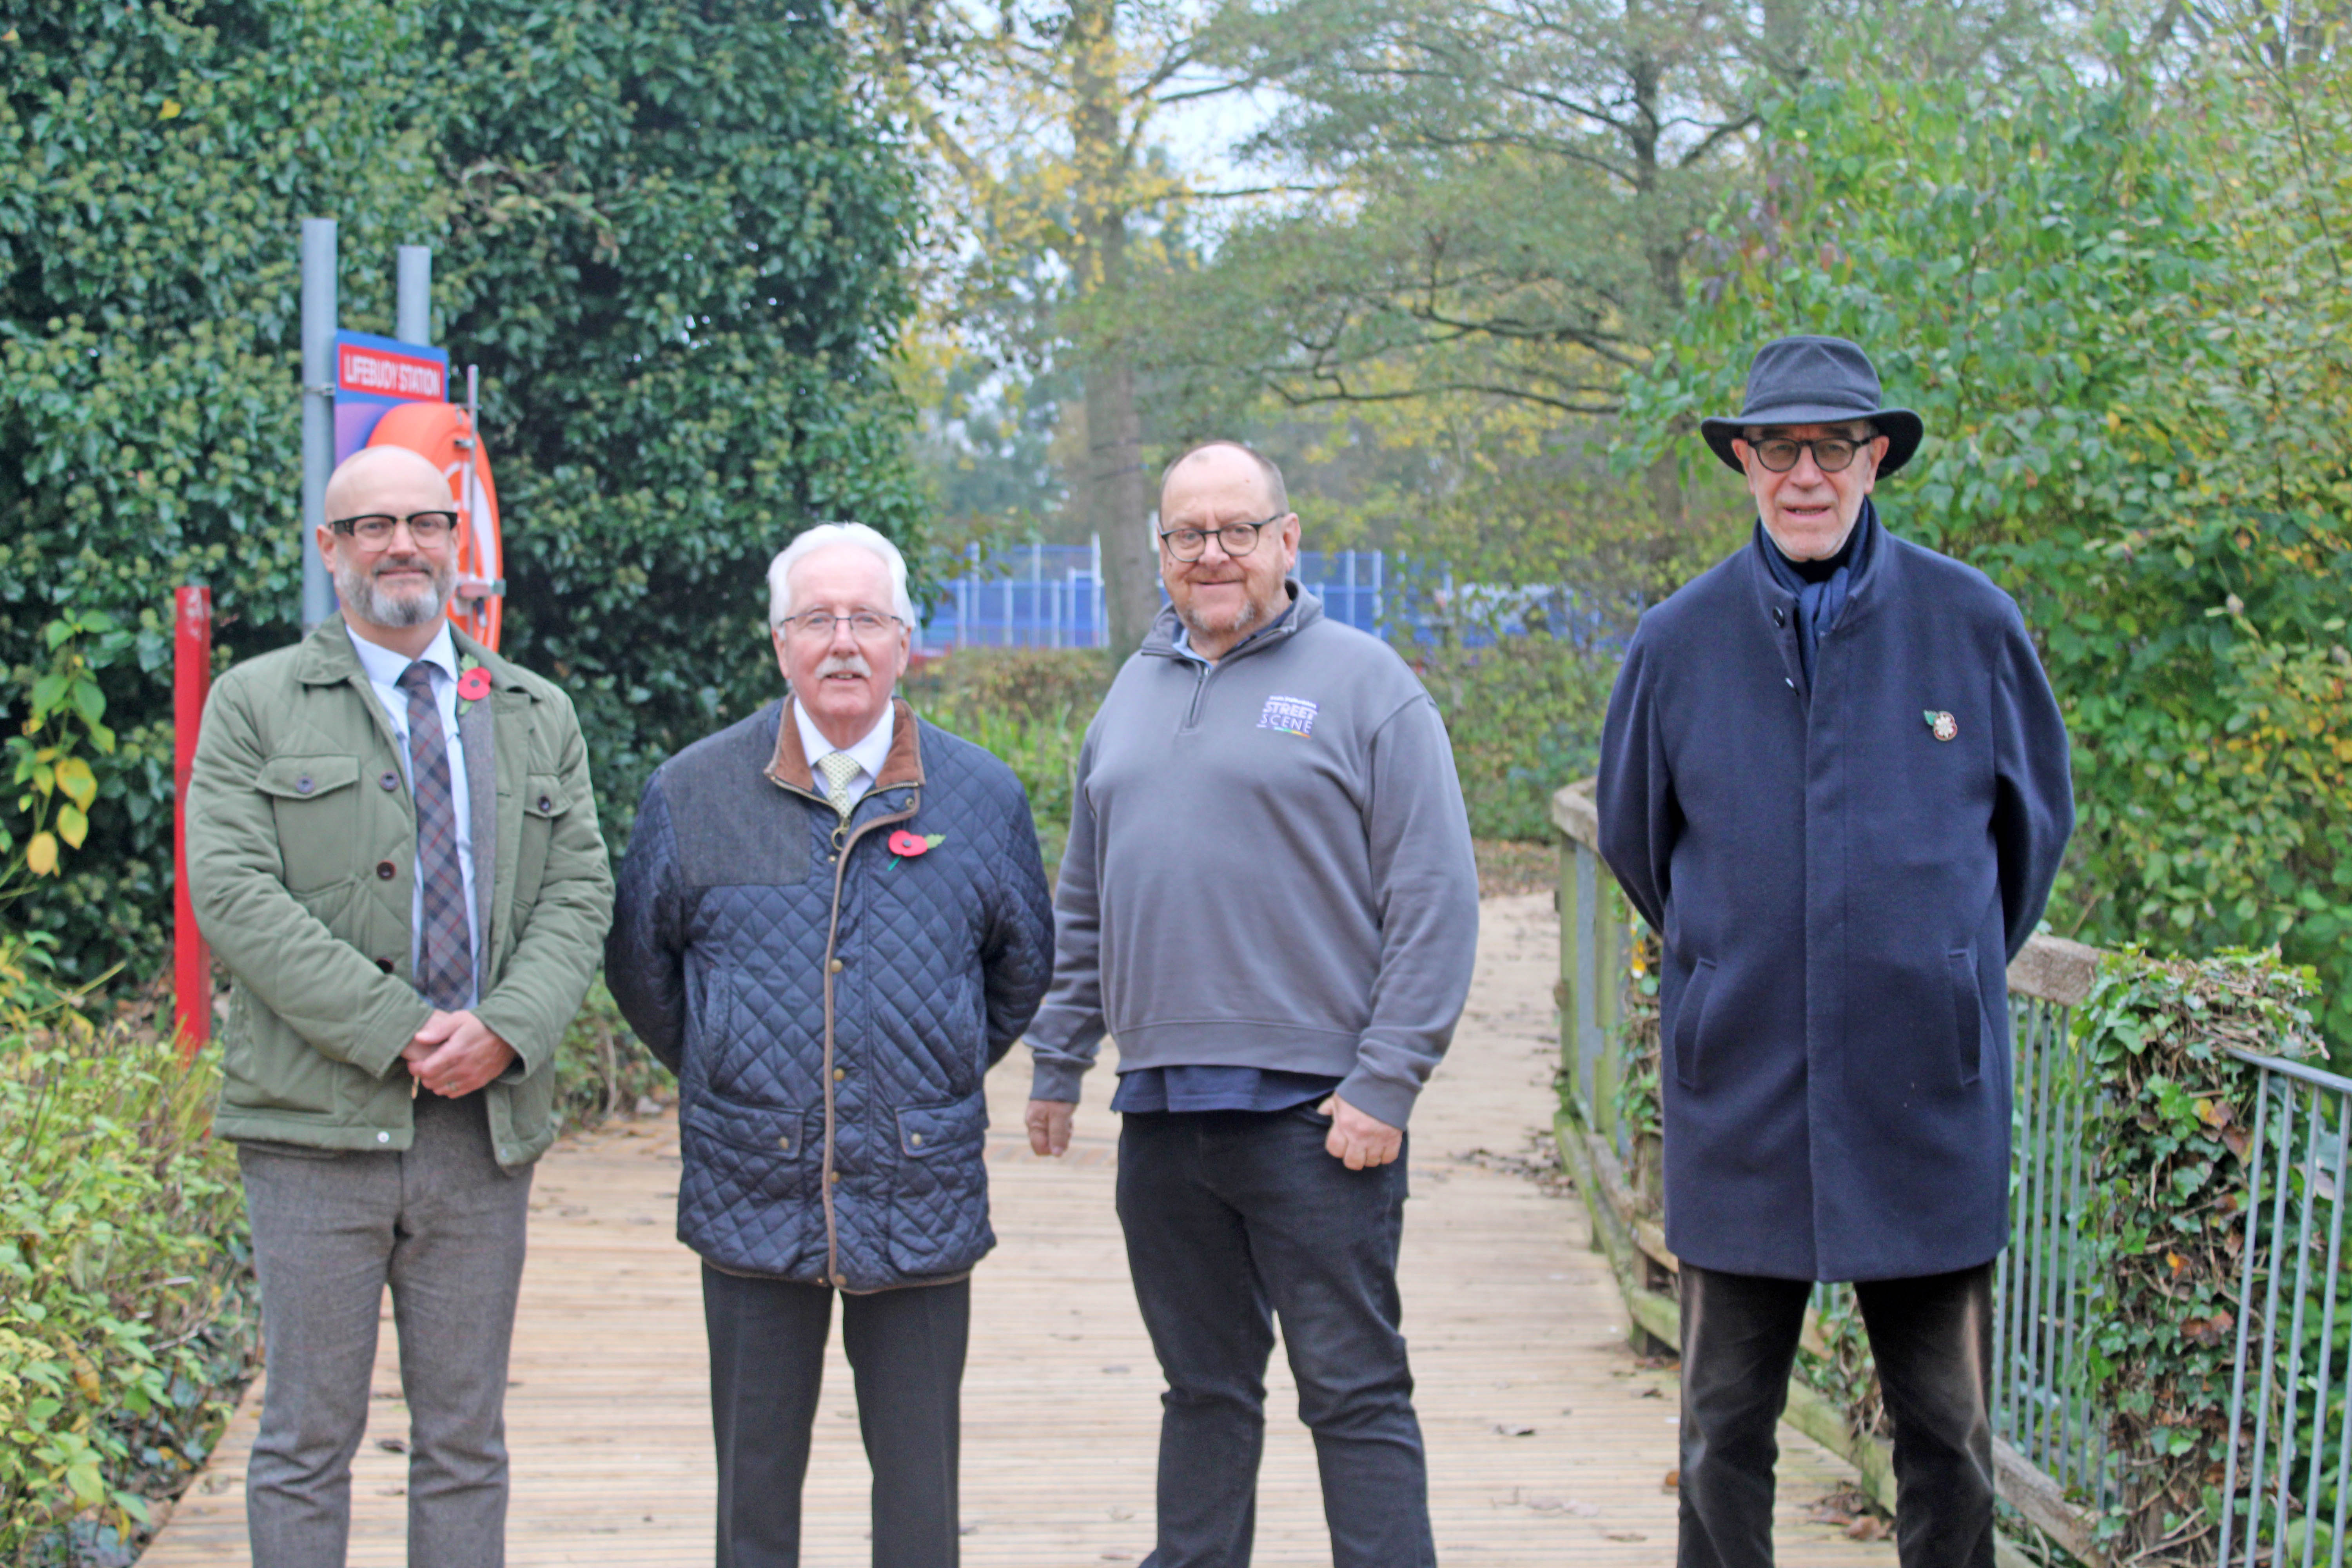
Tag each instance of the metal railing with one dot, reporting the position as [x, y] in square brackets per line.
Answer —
[2289, 1443]
[2288, 1465]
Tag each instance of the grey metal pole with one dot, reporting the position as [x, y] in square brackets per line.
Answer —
[318, 317]
[413, 290]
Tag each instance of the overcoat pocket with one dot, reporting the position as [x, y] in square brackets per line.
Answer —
[1690, 1017]
[1968, 1013]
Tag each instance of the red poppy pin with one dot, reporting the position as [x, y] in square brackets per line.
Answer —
[473, 684]
[906, 846]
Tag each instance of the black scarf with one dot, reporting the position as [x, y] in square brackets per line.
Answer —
[1820, 586]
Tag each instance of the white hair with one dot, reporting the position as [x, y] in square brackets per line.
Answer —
[809, 541]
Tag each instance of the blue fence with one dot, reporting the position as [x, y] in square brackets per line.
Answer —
[1050, 595]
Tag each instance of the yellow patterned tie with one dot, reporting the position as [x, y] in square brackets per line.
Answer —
[839, 768]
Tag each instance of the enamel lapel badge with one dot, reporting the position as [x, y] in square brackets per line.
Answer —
[1941, 724]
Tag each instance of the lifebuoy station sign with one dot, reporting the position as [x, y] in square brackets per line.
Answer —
[376, 374]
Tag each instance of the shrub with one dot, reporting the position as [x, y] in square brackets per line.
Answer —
[128, 1315]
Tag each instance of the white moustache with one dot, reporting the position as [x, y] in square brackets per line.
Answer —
[843, 664]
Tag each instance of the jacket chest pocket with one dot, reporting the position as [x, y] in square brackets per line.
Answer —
[316, 803]
[543, 805]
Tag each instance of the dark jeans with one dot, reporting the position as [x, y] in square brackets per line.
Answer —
[1932, 1338]
[767, 1360]
[1231, 1217]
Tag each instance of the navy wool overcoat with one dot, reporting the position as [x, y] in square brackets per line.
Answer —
[1839, 875]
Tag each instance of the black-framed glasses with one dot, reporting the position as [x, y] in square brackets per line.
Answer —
[1831, 454]
[817, 626]
[1235, 539]
[374, 529]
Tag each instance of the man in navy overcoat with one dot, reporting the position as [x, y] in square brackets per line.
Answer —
[1834, 780]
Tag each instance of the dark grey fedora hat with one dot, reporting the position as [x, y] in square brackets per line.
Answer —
[1815, 381]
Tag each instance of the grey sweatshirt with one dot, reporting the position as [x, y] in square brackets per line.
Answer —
[1269, 866]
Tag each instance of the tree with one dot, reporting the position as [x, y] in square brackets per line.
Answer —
[1042, 125]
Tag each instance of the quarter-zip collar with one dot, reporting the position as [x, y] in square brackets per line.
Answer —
[1305, 610]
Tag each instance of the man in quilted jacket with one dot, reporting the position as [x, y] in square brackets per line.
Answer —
[832, 921]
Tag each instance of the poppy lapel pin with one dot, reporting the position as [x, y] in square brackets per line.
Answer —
[906, 846]
[1941, 724]
[473, 684]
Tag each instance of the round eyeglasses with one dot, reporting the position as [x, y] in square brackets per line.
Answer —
[1831, 454]
[1235, 539]
[374, 529]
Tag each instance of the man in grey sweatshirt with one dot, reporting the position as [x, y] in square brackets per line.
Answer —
[1269, 898]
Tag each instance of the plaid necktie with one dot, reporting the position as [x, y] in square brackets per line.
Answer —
[444, 965]
[839, 767]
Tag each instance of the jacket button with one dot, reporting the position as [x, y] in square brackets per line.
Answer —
[384, 1137]
[304, 784]
[832, 1177]
[785, 1145]
[547, 803]
[390, 781]
[841, 1279]
[840, 1073]
[384, 964]
[916, 1139]
[1788, 682]
[385, 871]
[834, 967]
[1779, 618]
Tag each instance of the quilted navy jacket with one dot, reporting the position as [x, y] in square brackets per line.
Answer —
[828, 1007]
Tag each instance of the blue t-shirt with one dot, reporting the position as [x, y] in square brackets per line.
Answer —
[1148, 1090]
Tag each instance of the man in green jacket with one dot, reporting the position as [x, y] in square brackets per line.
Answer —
[392, 848]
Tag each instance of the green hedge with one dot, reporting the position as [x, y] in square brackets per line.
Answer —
[672, 236]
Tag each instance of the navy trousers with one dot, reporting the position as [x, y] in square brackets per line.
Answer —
[1232, 1217]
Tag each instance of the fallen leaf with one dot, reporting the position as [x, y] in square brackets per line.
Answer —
[1515, 1429]
[1673, 1480]
[392, 1445]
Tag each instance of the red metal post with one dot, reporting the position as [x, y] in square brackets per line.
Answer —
[192, 677]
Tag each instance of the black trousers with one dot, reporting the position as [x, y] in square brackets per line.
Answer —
[1932, 1339]
[766, 1361]
[1231, 1217]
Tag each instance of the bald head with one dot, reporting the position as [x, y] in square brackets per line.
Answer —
[384, 478]
[1227, 464]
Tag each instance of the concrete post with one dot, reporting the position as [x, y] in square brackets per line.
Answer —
[319, 313]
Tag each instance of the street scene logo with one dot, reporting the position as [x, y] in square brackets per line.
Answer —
[1291, 715]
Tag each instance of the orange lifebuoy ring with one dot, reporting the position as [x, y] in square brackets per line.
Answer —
[445, 434]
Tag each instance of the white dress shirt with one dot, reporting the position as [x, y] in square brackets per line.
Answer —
[384, 668]
[869, 753]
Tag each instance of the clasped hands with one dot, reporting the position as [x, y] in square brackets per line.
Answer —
[456, 1054]
[1357, 1139]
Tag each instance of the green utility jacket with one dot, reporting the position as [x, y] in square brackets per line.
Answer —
[301, 857]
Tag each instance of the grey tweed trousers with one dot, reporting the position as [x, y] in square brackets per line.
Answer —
[441, 1224]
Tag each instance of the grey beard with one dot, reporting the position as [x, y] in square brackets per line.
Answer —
[355, 587]
[1254, 613]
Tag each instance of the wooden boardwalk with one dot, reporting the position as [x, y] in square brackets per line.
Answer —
[1548, 1442]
